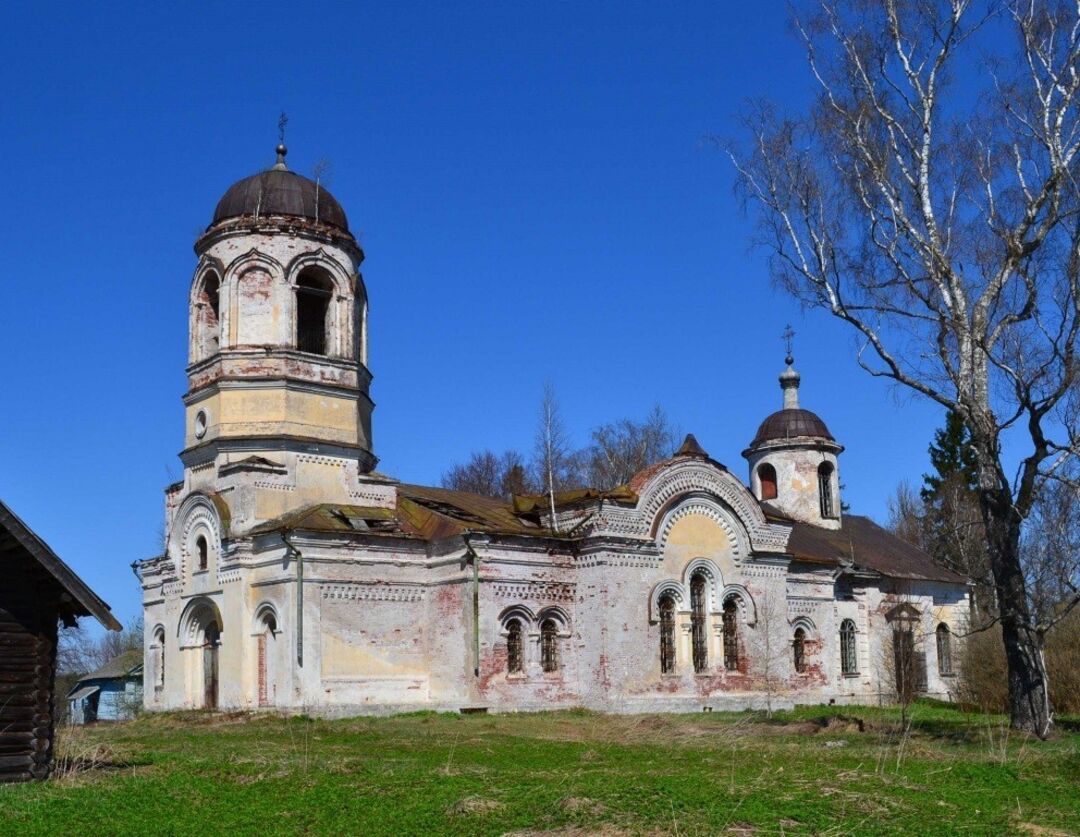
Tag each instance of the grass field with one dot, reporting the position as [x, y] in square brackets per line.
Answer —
[811, 771]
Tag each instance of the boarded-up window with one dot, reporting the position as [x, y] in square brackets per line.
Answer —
[944, 649]
[798, 647]
[731, 634]
[849, 663]
[515, 663]
[767, 480]
[264, 699]
[698, 626]
[667, 635]
[549, 651]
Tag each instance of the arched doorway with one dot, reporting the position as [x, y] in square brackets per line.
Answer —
[201, 631]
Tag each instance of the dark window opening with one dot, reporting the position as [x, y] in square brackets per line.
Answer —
[731, 634]
[698, 627]
[798, 647]
[211, 314]
[944, 649]
[667, 635]
[203, 550]
[549, 654]
[514, 649]
[848, 661]
[313, 294]
[767, 480]
[825, 489]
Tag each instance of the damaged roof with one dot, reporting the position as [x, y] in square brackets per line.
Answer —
[429, 513]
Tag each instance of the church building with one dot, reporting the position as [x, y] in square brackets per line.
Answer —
[297, 577]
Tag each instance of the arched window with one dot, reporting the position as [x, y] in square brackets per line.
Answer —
[731, 634]
[264, 645]
[667, 634]
[944, 649]
[514, 650]
[698, 628]
[313, 293]
[203, 550]
[159, 658]
[208, 316]
[549, 654]
[825, 489]
[767, 480]
[798, 648]
[849, 663]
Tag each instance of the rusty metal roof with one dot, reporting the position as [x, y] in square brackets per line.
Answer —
[279, 191]
[789, 424]
[861, 542]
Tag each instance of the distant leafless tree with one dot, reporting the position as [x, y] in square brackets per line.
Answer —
[491, 475]
[554, 460]
[79, 653]
[622, 448]
[929, 199]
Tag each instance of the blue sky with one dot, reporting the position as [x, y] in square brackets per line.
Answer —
[531, 184]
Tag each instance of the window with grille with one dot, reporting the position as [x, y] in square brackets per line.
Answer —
[514, 649]
[798, 647]
[698, 627]
[944, 649]
[825, 489]
[667, 635]
[549, 652]
[731, 634]
[848, 661]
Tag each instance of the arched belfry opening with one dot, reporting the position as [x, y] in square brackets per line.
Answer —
[314, 292]
[207, 309]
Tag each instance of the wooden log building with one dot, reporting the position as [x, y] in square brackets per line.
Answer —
[37, 591]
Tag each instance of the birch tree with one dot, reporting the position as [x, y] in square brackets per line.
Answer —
[929, 199]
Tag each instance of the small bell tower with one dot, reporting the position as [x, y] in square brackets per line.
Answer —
[793, 458]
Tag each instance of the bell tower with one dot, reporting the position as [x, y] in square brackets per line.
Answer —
[793, 459]
[277, 372]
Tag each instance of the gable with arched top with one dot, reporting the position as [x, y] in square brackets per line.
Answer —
[708, 506]
[716, 491]
[199, 516]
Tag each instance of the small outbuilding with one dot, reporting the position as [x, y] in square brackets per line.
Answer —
[37, 592]
[112, 693]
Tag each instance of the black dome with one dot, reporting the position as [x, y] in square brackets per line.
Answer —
[788, 424]
[279, 191]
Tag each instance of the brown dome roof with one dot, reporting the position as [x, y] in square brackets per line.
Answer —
[791, 423]
[279, 191]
